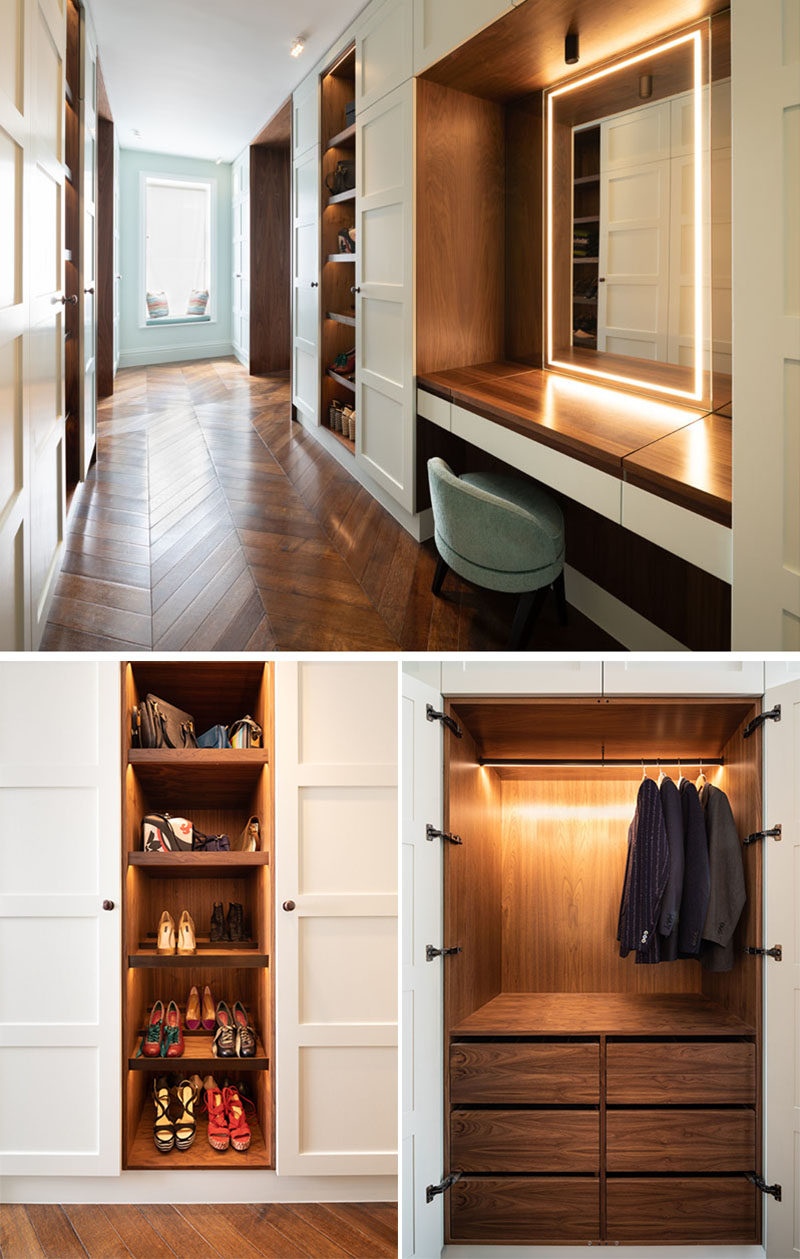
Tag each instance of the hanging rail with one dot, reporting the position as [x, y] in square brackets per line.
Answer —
[652, 762]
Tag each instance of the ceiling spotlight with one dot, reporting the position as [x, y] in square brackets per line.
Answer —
[138, 134]
[645, 86]
[571, 48]
[298, 46]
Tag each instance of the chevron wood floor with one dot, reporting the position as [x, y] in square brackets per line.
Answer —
[211, 522]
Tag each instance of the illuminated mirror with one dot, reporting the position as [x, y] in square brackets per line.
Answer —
[628, 288]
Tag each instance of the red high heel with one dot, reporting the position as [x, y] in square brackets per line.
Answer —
[173, 1043]
[237, 1123]
[219, 1136]
[151, 1041]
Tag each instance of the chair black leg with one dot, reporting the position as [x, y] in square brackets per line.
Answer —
[439, 576]
[528, 609]
[560, 591]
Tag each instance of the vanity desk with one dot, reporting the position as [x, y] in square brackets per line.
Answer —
[660, 471]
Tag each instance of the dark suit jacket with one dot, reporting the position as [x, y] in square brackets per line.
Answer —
[671, 902]
[696, 872]
[727, 894]
[646, 874]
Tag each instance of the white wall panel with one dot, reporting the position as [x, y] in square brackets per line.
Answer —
[346, 840]
[347, 713]
[348, 1100]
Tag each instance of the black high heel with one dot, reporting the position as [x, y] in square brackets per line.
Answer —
[163, 1127]
[185, 1124]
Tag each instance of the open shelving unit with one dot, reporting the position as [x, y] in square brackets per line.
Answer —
[338, 88]
[586, 216]
[218, 790]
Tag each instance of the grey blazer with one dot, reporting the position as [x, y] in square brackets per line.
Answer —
[646, 873]
[727, 894]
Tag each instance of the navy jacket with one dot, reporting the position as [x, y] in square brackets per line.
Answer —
[696, 874]
[671, 903]
[646, 874]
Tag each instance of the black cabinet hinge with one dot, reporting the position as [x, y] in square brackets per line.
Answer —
[776, 951]
[774, 832]
[774, 714]
[433, 1191]
[773, 1190]
[433, 832]
[432, 715]
[431, 951]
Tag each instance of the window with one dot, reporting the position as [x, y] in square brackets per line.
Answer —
[177, 247]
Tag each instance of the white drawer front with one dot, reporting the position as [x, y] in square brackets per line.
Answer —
[437, 410]
[694, 538]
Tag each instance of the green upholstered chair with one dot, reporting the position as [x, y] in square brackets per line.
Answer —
[503, 533]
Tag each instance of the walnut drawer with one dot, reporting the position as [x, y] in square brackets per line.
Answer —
[525, 1140]
[681, 1209]
[680, 1140]
[524, 1073]
[680, 1072]
[507, 1209]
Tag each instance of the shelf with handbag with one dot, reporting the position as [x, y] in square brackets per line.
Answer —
[197, 837]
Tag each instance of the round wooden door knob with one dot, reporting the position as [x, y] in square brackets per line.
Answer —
[108, 904]
[288, 906]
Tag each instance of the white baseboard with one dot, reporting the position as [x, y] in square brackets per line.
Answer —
[243, 358]
[615, 617]
[175, 353]
[207, 1185]
[619, 1252]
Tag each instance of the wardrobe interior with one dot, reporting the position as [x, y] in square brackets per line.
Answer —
[218, 791]
[532, 896]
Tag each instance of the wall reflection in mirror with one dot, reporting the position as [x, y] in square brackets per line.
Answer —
[638, 242]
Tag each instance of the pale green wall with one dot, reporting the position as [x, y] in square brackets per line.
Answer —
[170, 343]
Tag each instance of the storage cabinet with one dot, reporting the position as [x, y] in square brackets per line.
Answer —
[588, 1098]
[240, 284]
[218, 791]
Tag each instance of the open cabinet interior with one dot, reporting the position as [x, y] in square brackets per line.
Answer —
[589, 1098]
[218, 791]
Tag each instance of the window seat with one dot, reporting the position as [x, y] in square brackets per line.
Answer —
[659, 470]
[173, 319]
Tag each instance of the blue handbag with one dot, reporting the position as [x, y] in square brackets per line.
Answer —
[216, 737]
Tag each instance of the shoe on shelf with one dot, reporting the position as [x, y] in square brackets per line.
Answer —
[235, 923]
[209, 1016]
[163, 1126]
[219, 1135]
[218, 930]
[151, 1041]
[172, 1045]
[224, 1045]
[237, 1122]
[193, 1010]
[186, 1095]
[166, 934]
[187, 941]
[245, 1036]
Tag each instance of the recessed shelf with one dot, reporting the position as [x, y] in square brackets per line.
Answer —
[197, 1056]
[350, 320]
[345, 441]
[201, 865]
[586, 179]
[587, 218]
[589, 1014]
[341, 257]
[144, 1155]
[337, 198]
[203, 775]
[584, 301]
[344, 139]
[581, 260]
[242, 957]
[341, 380]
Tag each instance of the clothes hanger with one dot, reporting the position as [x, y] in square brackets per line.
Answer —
[680, 773]
[644, 772]
[661, 774]
[701, 780]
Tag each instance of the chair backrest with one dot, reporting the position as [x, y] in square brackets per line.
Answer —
[482, 527]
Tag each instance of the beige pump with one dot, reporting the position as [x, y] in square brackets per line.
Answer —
[166, 934]
[187, 941]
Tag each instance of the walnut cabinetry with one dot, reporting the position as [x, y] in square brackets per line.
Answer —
[589, 1099]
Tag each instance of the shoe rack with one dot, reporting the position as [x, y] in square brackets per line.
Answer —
[218, 791]
[338, 269]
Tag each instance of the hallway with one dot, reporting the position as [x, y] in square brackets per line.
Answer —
[210, 522]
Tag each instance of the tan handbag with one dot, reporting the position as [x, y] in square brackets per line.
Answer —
[250, 838]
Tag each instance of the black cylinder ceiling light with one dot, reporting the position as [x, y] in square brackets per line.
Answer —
[571, 48]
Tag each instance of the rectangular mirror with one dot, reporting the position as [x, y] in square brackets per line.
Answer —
[628, 241]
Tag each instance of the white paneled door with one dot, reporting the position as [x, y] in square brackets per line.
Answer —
[14, 489]
[44, 357]
[241, 258]
[384, 273]
[782, 1020]
[305, 253]
[88, 112]
[336, 918]
[117, 255]
[59, 863]
[384, 52]
[422, 1222]
[724, 676]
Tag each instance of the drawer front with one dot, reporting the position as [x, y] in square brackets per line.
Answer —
[524, 1141]
[520, 1073]
[505, 1209]
[680, 1140]
[680, 1073]
[682, 1210]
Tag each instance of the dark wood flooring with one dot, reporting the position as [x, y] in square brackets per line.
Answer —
[331, 1230]
[211, 522]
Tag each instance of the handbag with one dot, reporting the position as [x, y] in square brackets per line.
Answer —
[343, 177]
[210, 843]
[157, 724]
[250, 838]
[216, 737]
[162, 833]
[245, 733]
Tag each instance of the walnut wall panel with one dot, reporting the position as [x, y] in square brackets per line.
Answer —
[270, 258]
[105, 257]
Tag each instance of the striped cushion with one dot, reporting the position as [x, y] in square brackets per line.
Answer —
[198, 300]
[157, 305]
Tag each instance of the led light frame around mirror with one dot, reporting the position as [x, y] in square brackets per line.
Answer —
[697, 395]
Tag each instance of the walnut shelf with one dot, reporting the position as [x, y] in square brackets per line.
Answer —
[593, 1014]
[144, 1155]
[341, 257]
[197, 864]
[343, 139]
[349, 320]
[345, 441]
[197, 1056]
[240, 957]
[337, 198]
[342, 380]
